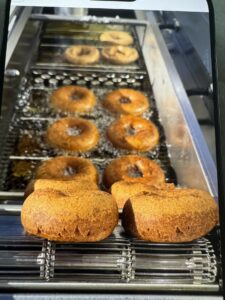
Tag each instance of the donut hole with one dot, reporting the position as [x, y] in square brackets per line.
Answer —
[179, 232]
[131, 130]
[134, 172]
[84, 51]
[69, 171]
[76, 95]
[125, 100]
[74, 131]
[115, 36]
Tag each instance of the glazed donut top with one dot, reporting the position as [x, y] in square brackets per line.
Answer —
[82, 54]
[67, 168]
[117, 37]
[73, 99]
[120, 54]
[133, 133]
[133, 168]
[73, 134]
[126, 101]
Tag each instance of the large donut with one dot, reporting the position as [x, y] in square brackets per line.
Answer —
[133, 168]
[126, 101]
[67, 168]
[120, 55]
[73, 99]
[86, 216]
[82, 55]
[73, 134]
[117, 37]
[133, 133]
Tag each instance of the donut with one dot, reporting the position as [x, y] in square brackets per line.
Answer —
[65, 186]
[117, 37]
[133, 133]
[82, 55]
[120, 55]
[123, 190]
[133, 168]
[67, 168]
[172, 216]
[126, 101]
[85, 216]
[73, 99]
[73, 134]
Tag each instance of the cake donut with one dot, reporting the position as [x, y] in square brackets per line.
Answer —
[172, 216]
[133, 168]
[85, 216]
[82, 55]
[65, 186]
[126, 101]
[117, 37]
[67, 168]
[123, 190]
[133, 133]
[120, 55]
[73, 99]
[73, 134]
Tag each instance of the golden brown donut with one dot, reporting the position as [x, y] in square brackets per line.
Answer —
[67, 168]
[120, 55]
[133, 133]
[172, 216]
[133, 168]
[117, 37]
[73, 99]
[126, 101]
[123, 190]
[65, 186]
[73, 134]
[86, 216]
[82, 55]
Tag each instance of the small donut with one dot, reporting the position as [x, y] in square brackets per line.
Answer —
[133, 168]
[73, 134]
[73, 99]
[86, 216]
[82, 55]
[126, 101]
[172, 216]
[123, 190]
[133, 133]
[120, 55]
[65, 186]
[117, 37]
[67, 168]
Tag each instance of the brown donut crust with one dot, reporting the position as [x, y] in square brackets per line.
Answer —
[117, 37]
[124, 167]
[58, 134]
[82, 55]
[122, 190]
[67, 168]
[73, 99]
[172, 216]
[133, 133]
[126, 101]
[120, 55]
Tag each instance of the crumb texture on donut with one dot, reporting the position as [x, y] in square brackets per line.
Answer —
[73, 99]
[120, 55]
[123, 190]
[73, 134]
[87, 216]
[67, 168]
[133, 168]
[126, 101]
[117, 37]
[172, 216]
[133, 133]
[82, 54]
